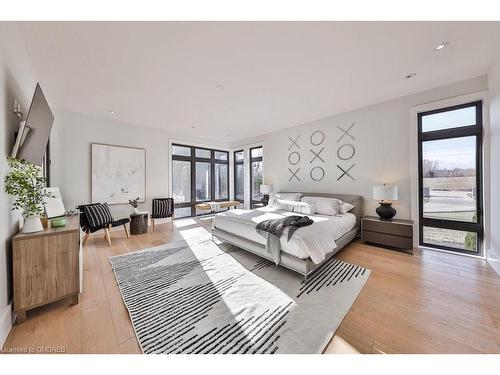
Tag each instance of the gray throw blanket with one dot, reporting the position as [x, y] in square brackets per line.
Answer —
[272, 230]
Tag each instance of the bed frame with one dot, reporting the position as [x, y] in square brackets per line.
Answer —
[303, 266]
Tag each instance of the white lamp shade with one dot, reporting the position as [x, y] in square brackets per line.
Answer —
[266, 189]
[385, 193]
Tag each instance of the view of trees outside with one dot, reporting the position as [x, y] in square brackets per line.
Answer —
[221, 188]
[181, 181]
[203, 192]
[449, 189]
[256, 180]
[239, 193]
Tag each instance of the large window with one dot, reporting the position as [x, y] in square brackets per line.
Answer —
[198, 175]
[239, 175]
[256, 176]
[450, 169]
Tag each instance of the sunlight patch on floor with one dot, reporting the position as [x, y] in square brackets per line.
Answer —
[184, 223]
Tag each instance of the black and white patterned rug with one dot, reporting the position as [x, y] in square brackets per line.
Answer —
[193, 296]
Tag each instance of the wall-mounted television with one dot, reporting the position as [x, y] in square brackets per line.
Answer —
[33, 135]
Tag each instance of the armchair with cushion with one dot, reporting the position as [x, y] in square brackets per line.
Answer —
[97, 216]
[162, 208]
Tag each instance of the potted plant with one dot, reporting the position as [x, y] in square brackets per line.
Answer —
[134, 203]
[26, 183]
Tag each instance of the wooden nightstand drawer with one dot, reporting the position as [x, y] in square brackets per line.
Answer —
[388, 227]
[388, 240]
[396, 234]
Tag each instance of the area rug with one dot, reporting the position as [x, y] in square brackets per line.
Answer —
[197, 296]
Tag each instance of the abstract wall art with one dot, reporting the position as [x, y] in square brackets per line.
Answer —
[118, 173]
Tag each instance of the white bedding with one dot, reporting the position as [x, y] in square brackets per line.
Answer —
[313, 241]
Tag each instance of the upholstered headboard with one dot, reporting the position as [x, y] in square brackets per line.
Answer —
[355, 200]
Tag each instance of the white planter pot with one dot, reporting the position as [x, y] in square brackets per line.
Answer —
[32, 224]
[135, 211]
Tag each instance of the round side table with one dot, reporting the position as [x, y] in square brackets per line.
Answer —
[139, 223]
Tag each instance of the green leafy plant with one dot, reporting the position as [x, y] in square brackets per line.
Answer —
[27, 184]
[470, 241]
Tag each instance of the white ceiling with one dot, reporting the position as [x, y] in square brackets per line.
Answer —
[275, 74]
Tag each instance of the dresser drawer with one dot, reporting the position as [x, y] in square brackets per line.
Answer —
[388, 240]
[404, 230]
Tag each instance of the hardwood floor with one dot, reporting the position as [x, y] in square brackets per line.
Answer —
[427, 303]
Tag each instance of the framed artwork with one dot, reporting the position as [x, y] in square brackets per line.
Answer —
[54, 206]
[118, 173]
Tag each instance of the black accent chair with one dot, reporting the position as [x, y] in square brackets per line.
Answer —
[88, 229]
[162, 208]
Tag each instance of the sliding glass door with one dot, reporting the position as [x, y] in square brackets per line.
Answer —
[450, 178]
[198, 175]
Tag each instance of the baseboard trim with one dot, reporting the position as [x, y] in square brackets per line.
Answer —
[5, 324]
[495, 264]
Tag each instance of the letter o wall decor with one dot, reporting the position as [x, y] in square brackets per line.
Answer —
[317, 138]
[346, 151]
[317, 173]
[294, 158]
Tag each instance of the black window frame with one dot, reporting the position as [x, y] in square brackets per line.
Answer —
[253, 160]
[46, 165]
[235, 184]
[212, 161]
[450, 133]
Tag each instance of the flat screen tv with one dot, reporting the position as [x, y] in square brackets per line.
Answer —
[33, 136]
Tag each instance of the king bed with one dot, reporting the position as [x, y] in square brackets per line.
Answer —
[308, 247]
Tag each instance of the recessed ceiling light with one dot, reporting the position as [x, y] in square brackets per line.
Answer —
[193, 127]
[411, 75]
[228, 135]
[111, 112]
[220, 87]
[441, 46]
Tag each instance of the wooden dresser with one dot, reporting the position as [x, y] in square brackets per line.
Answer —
[47, 266]
[395, 234]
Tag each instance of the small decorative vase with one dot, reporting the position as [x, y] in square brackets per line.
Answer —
[32, 224]
[386, 211]
[135, 211]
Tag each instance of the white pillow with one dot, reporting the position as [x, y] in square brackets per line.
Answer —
[284, 196]
[324, 206]
[345, 207]
[294, 206]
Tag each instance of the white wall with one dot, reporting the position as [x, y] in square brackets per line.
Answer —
[71, 139]
[494, 88]
[17, 79]
[382, 134]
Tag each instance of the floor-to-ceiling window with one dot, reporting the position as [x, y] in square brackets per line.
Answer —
[256, 175]
[450, 170]
[198, 175]
[239, 175]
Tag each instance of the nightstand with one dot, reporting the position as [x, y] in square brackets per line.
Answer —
[395, 234]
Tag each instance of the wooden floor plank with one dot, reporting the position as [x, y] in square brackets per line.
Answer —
[98, 334]
[430, 302]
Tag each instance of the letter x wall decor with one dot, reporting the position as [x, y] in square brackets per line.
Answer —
[294, 158]
[346, 152]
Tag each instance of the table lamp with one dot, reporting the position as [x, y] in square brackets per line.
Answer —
[386, 194]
